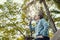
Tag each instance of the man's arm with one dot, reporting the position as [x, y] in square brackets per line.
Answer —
[45, 25]
[30, 26]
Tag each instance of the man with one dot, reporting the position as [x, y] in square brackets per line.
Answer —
[41, 29]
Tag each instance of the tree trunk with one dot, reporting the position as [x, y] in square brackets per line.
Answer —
[49, 17]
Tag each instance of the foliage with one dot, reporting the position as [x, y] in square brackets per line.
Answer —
[57, 2]
[11, 20]
[14, 19]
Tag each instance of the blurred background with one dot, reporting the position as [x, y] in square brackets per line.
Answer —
[15, 14]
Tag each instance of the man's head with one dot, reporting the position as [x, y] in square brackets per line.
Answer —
[39, 16]
[36, 17]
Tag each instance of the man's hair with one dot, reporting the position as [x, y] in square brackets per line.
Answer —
[41, 14]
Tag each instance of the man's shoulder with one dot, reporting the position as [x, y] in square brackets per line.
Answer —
[42, 19]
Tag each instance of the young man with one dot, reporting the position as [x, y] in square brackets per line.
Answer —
[41, 29]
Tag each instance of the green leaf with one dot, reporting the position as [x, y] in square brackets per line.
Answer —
[57, 2]
[58, 24]
[1, 7]
[55, 11]
[56, 19]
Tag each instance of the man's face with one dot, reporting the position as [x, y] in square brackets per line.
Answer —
[36, 17]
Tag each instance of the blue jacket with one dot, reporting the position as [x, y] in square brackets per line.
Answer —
[41, 28]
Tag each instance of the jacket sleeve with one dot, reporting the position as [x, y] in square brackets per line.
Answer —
[45, 25]
[31, 28]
